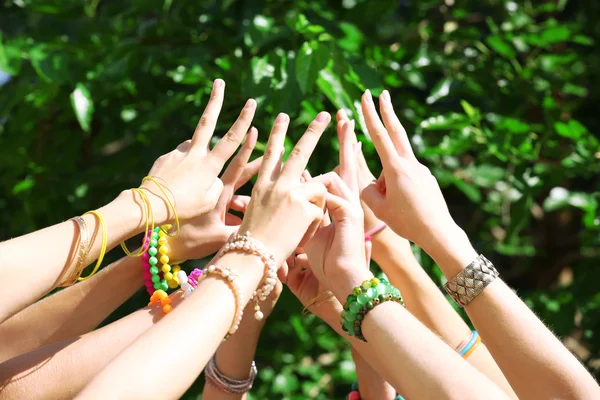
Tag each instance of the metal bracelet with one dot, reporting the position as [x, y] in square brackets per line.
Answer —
[471, 281]
[228, 385]
[83, 250]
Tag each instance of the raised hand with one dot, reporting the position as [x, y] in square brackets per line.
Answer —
[406, 196]
[283, 209]
[191, 171]
[206, 233]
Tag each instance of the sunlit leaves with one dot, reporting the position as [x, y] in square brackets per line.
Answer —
[83, 105]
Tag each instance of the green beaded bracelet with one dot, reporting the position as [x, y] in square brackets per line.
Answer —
[362, 300]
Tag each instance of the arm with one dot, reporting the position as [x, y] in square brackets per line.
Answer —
[73, 311]
[533, 360]
[372, 386]
[48, 372]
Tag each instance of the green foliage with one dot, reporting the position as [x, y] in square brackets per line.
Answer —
[496, 94]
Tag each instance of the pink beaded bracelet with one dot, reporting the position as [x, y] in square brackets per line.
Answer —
[146, 266]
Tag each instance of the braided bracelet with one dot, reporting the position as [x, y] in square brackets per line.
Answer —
[362, 300]
[471, 281]
[246, 244]
[229, 276]
[228, 385]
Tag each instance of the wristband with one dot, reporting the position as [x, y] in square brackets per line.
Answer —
[472, 339]
[471, 281]
[228, 385]
[363, 299]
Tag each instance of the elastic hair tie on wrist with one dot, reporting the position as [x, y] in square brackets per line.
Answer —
[372, 232]
[171, 203]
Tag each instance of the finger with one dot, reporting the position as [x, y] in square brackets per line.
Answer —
[282, 272]
[314, 191]
[374, 200]
[249, 171]
[381, 139]
[232, 220]
[213, 194]
[236, 166]
[348, 164]
[338, 207]
[393, 125]
[335, 185]
[239, 203]
[296, 163]
[208, 121]
[229, 143]
[341, 115]
[274, 148]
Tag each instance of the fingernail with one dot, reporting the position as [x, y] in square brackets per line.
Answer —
[250, 103]
[323, 116]
[218, 83]
[368, 96]
[386, 96]
[282, 117]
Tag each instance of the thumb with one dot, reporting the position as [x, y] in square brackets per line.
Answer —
[373, 198]
[212, 196]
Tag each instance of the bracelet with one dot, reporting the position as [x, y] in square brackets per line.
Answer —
[147, 214]
[471, 281]
[146, 265]
[363, 299]
[471, 341]
[473, 347]
[252, 246]
[171, 203]
[102, 247]
[316, 301]
[355, 394]
[464, 342]
[372, 232]
[164, 299]
[229, 276]
[83, 247]
[189, 284]
[228, 385]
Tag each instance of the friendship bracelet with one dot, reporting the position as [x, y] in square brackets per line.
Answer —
[189, 284]
[83, 247]
[229, 385]
[471, 281]
[473, 347]
[470, 343]
[164, 299]
[243, 242]
[363, 299]
[355, 394]
[171, 203]
[372, 232]
[102, 247]
[147, 214]
[229, 276]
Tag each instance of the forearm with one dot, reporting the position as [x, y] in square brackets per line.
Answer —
[211, 305]
[61, 370]
[428, 304]
[371, 385]
[73, 311]
[533, 360]
[234, 357]
[46, 256]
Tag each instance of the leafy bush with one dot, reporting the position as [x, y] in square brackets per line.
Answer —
[498, 96]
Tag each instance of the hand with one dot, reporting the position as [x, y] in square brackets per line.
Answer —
[406, 196]
[336, 252]
[282, 209]
[190, 172]
[206, 233]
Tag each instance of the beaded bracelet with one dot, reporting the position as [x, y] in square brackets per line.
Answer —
[362, 300]
[229, 385]
[243, 242]
[229, 276]
[164, 299]
[189, 284]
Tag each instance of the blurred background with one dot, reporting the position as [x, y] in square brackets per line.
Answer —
[500, 99]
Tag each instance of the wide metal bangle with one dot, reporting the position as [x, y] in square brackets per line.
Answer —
[471, 281]
[228, 385]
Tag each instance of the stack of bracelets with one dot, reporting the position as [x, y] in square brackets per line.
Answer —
[363, 299]
[469, 345]
[228, 385]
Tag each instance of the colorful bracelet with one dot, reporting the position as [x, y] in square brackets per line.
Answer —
[469, 343]
[243, 242]
[229, 385]
[189, 284]
[362, 300]
[229, 276]
[164, 299]
[355, 394]
[473, 347]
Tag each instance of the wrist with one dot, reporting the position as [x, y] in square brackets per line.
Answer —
[342, 281]
[451, 250]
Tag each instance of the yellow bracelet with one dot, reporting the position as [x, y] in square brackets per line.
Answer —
[162, 189]
[102, 248]
[147, 212]
[472, 349]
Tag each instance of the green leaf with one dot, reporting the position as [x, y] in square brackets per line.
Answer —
[441, 90]
[560, 197]
[572, 130]
[555, 34]
[23, 186]
[285, 382]
[486, 175]
[501, 46]
[471, 111]
[311, 59]
[445, 122]
[471, 191]
[83, 105]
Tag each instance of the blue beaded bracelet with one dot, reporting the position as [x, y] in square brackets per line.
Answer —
[464, 350]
